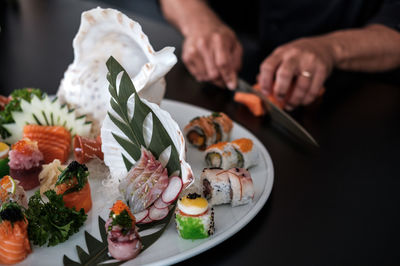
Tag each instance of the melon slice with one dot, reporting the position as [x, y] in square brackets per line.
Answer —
[46, 112]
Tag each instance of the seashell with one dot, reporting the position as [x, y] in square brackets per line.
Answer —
[102, 33]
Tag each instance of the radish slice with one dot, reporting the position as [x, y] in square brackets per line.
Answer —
[140, 216]
[146, 220]
[160, 204]
[173, 189]
[158, 214]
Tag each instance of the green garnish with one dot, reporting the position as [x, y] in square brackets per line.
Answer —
[12, 212]
[123, 220]
[15, 105]
[51, 221]
[215, 114]
[74, 170]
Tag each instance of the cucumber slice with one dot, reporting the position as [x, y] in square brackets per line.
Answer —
[46, 112]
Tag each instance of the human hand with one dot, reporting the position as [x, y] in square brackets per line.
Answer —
[213, 53]
[295, 72]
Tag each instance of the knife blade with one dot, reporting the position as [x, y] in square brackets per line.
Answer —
[278, 115]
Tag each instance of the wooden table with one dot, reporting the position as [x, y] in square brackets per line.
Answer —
[338, 205]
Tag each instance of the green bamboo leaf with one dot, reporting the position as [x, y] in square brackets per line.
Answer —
[68, 262]
[130, 147]
[83, 256]
[148, 240]
[98, 250]
[133, 127]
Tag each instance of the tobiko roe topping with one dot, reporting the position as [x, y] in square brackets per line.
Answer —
[26, 163]
[25, 154]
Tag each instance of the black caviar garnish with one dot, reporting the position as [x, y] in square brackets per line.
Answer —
[11, 212]
[193, 196]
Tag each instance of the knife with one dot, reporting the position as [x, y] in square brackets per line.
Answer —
[278, 115]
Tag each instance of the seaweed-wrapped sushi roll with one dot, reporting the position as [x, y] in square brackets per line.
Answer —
[239, 153]
[234, 186]
[204, 131]
[194, 218]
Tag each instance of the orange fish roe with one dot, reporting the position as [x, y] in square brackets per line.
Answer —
[119, 206]
[219, 145]
[244, 144]
[25, 146]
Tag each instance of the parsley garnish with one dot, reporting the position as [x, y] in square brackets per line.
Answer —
[15, 105]
[123, 220]
[51, 222]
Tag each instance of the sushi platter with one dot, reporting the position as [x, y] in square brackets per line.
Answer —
[108, 171]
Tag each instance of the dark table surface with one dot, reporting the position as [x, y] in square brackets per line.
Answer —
[338, 205]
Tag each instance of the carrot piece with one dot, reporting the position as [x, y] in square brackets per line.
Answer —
[252, 101]
[78, 199]
[53, 141]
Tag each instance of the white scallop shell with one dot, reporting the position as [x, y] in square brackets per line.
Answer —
[113, 151]
[102, 33]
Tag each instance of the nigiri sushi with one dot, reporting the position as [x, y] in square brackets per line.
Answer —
[14, 242]
[73, 184]
[124, 242]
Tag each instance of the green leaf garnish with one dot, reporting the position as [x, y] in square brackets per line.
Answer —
[132, 125]
[74, 170]
[51, 222]
[15, 105]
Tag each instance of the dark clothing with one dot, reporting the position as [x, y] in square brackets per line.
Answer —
[263, 25]
[275, 22]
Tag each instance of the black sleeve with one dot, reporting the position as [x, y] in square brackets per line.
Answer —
[388, 15]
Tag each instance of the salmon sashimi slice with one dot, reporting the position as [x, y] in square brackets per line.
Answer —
[78, 199]
[14, 242]
[53, 141]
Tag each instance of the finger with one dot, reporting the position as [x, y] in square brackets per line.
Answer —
[219, 83]
[301, 87]
[284, 78]
[194, 62]
[267, 73]
[316, 86]
[223, 59]
[208, 58]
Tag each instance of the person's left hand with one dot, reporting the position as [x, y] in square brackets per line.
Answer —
[295, 72]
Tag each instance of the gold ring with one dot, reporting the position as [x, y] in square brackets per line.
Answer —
[305, 74]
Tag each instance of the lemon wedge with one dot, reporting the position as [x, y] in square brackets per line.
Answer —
[4, 148]
[7, 183]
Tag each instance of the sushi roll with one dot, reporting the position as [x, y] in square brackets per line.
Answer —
[14, 242]
[234, 186]
[123, 239]
[194, 218]
[238, 153]
[204, 131]
[26, 163]
[223, 126]
[73, 184]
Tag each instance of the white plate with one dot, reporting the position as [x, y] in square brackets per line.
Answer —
[170, 248]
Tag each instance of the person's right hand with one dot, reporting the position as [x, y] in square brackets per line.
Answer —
[213, 53]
